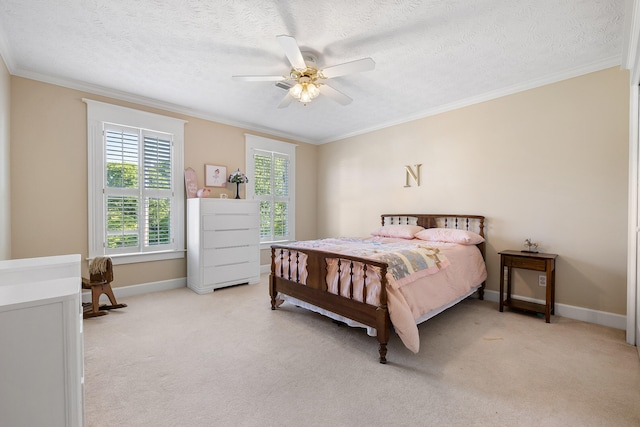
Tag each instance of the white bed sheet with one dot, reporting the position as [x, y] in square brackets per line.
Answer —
[370, 331]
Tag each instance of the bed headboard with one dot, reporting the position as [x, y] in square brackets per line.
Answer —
[473, 223]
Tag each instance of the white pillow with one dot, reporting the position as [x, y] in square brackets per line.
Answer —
[451, 235]
[398, 231]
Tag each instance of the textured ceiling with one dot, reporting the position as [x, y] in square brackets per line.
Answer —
[430, 55]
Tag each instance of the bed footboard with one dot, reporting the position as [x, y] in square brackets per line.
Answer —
[341, 284]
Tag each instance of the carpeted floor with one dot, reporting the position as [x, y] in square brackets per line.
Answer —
[176, 358]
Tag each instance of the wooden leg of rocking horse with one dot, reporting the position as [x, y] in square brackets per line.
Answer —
[91, 309]
[106, 289]
[95, 300]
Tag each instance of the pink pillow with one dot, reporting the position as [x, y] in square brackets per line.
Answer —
[451, 235]
[399, 231]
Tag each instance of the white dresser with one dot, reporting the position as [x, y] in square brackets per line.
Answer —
[41, 349]
[223, 243]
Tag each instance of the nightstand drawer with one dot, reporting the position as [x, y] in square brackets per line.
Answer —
[527, 263]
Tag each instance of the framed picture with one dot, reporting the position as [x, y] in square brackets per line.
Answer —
[215, 176]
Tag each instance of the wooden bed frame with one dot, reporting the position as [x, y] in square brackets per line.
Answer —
[315, 290]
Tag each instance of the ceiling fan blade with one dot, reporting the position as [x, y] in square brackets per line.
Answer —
[357, 66]
[335, 94]
[291, 49]
[285, 84]
[259, 78]
[286, 101]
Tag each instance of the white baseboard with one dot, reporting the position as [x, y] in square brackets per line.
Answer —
[265, 268]
[144, 288]
[603, 318]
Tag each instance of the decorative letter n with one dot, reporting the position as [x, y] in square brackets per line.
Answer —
[413, 174]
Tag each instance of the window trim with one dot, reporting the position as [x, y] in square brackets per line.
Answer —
[253, 142]
[98, 113]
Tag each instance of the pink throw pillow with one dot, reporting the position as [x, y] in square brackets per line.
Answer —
[398, 231]
[451, 235]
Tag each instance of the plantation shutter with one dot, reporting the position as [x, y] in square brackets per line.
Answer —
[157, 189]
[271, 174]
[262, 176]
[281, 196]
[138, 189]
[122, 189]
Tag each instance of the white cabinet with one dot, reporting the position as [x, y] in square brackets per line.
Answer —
[223, 243]
[41, 366]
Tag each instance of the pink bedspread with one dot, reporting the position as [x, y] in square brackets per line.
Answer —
[408, 304]
[452, 272]
[406, 262]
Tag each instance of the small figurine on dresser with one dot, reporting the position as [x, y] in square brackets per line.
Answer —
[203, 192]
[531, 246]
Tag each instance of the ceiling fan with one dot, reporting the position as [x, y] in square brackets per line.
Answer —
[305, 80]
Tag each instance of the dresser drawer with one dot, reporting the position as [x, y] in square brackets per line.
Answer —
[230, 222]
[233, 255]
[234, 272]
[226, 238]
[527, 263]
[228, 206]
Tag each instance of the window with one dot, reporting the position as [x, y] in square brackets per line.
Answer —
[271, 170]
[135, 192]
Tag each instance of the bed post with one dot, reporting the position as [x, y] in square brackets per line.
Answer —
[383, 321]
[272, 279]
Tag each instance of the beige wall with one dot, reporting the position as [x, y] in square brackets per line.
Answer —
[5, 170]
[49, 174]
[549, 164]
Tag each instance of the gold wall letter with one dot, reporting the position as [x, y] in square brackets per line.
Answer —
[410, 173]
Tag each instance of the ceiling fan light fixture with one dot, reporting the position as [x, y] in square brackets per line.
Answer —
[296, 90]
[304, 91]
[304, 97]
[313, 90]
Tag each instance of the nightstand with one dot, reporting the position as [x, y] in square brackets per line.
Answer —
[528, 261]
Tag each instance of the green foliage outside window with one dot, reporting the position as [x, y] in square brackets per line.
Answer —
[271, 187]
[263, 175]
[265, 218]
[280, 220]
[122, 175]
[122, 221]
[281, 177]
[159, 214]
[123, 228]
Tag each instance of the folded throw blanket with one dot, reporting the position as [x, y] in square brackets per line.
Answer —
[98, 265]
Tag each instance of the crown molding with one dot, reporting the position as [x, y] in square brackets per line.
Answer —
[153, 103]
[510, 90]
